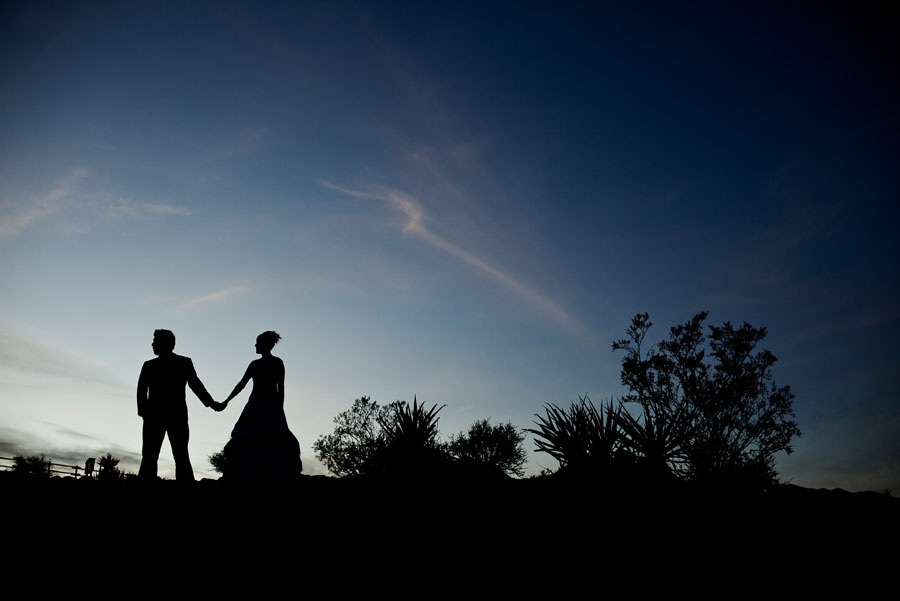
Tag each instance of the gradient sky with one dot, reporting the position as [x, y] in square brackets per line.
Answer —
[465, 202]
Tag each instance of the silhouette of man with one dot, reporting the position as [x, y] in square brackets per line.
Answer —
[161, 403]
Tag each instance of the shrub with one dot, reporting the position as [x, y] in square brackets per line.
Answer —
[33, 465]
[357, 438]
[498, 447]
[217, 462]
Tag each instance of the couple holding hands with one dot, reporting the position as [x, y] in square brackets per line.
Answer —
[262, 449]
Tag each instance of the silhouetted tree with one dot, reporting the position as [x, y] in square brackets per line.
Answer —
[713, 420]
[498, 447]
[660, 434]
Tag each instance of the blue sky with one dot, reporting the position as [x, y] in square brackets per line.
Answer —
[463, 202]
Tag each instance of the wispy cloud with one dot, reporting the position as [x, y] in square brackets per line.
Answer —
[18, 216]
[415, 225]
[353, 193]
[125, 208]
[21, 354]
[214, 298]
[66, 195]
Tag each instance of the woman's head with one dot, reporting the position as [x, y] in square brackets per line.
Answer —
[266, 341]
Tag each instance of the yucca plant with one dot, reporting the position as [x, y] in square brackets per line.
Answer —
[109, 468]
[410, 427]
[409, 440]
[658, 437]
[581, 436]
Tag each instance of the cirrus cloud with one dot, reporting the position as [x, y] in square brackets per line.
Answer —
[416, 225]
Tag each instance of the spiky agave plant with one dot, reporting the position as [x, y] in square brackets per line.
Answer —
[109, 468]
[410, 427]
[581, 436]
[659, 438]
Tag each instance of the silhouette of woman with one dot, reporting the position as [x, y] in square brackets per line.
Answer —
[262, 449]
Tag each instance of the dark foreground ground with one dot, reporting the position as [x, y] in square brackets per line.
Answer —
[546, 529]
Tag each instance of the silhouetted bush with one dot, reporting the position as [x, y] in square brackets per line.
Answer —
[371, 438]
[34, 465]
[499, 447]
[357, 437]
[580, 437]
[542, 473]
[217, 462]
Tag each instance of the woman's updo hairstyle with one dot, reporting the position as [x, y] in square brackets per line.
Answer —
[269, 339]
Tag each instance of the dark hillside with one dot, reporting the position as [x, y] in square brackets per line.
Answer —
[481, 516]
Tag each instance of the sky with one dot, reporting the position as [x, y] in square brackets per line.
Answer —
[465, 202]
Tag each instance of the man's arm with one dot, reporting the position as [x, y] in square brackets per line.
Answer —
[142, 388]
[197, 386]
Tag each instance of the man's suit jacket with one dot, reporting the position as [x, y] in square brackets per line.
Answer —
[160, 392]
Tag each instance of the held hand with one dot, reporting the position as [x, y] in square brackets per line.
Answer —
[217, 406]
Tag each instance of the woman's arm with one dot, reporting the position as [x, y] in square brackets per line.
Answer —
[240, 385]
[280, 382]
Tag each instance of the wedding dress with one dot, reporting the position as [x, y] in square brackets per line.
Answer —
[262, 448]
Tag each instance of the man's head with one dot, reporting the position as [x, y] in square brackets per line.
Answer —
[163, 342]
